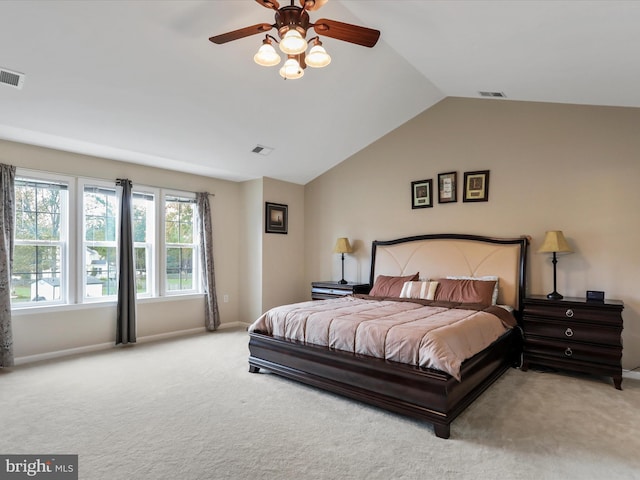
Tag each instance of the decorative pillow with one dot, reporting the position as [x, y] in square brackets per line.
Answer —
[386, 286]
[424, 290]
[486, 278]
[465, 291]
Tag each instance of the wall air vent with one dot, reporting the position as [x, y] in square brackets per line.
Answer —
[492, 94]
[13, 79]
[262, 150]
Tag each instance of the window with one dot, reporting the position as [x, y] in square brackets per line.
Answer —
[100, 206]
[52, 266]
[143, 238]
[181, 246]
[39, 262]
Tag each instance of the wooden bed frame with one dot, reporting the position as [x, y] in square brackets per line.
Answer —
[422, 393]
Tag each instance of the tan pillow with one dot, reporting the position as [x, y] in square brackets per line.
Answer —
[386, 286]
[465, 291]
[424, 290]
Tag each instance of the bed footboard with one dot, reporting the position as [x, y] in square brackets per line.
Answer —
[421, 393]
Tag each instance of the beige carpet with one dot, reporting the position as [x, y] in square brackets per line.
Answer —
[188, 409]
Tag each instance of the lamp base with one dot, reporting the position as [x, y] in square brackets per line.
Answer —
[343, 282]
[554, 296]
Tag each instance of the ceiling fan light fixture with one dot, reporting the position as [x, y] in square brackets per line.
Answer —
[317, 56]
[293, 43]
[267, 55]
[291, 70]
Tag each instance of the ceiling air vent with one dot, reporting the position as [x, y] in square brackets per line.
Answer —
[13, 79]
[262, 150]
[492, 94]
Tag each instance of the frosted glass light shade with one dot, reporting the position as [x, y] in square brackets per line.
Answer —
[267, 56]
[292, 43]
[317, 57]
[291, 70]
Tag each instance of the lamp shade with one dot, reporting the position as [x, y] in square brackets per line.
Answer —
[267, 56]
[317, 57]
[292, 43]
[343, 246]
[554, 241]
[291, 70]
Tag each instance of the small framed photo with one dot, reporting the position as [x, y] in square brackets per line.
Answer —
[421, 194]
[448, 187]
[276, 218]
[476, 186]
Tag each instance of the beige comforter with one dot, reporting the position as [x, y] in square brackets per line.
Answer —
[427, 335]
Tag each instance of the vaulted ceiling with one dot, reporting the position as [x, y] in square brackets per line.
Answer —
[139, 81]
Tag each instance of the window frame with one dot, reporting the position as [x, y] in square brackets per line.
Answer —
[81, 271]
[66, 223]
[164, 245]
[73, 242]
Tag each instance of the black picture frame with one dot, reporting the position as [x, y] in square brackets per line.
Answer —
[448, 187]
[422, 193]
[476, 186]
[276, 218]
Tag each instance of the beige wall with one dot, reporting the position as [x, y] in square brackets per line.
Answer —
[283, 255]
[553, 166]
[251, 249]
[40, 331]
[271, 264]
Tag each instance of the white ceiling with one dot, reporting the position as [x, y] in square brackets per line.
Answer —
[139, 81]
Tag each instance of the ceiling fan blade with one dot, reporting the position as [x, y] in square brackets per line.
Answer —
[272, 4]
[241, 33]
[311, 5]
[367, 37]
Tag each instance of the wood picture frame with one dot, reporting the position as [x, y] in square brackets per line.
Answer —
[476, 186]
[448, 187]
[422, 194]
[276, 218]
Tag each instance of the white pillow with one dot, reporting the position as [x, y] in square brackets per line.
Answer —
[486, 278]
[424, 290]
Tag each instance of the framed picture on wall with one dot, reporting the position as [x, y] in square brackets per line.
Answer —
[421, 194]
[448, 187]
[276, 218]
[476, 186]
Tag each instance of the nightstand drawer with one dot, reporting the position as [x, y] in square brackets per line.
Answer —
[574, 351]
[576, 312]
[330, 291]
[572, 331]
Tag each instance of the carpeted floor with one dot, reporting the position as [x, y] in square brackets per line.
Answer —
[188, 409]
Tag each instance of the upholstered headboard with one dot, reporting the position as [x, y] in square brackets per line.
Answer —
[440, 255]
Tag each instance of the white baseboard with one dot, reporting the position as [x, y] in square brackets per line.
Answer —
[631, 374]
[40, 357]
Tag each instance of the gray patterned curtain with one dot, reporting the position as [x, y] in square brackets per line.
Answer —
[126, 320]
[7, 225]
[212, 315]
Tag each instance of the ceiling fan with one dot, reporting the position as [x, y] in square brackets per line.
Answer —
[292, 23]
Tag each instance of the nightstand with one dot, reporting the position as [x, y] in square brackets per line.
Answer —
[324, 290]
[574, 334]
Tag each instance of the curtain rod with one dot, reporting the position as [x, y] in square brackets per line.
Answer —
[24, 169]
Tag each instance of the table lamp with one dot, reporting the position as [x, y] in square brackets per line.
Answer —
[343, 246]
[554, 242]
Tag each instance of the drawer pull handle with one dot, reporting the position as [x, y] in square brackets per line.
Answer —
[569, 313]
[568, 332]
[568, 352]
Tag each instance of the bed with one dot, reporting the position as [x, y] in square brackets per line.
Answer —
[286, 342]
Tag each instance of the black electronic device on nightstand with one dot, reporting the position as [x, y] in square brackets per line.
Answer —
[595, 296]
